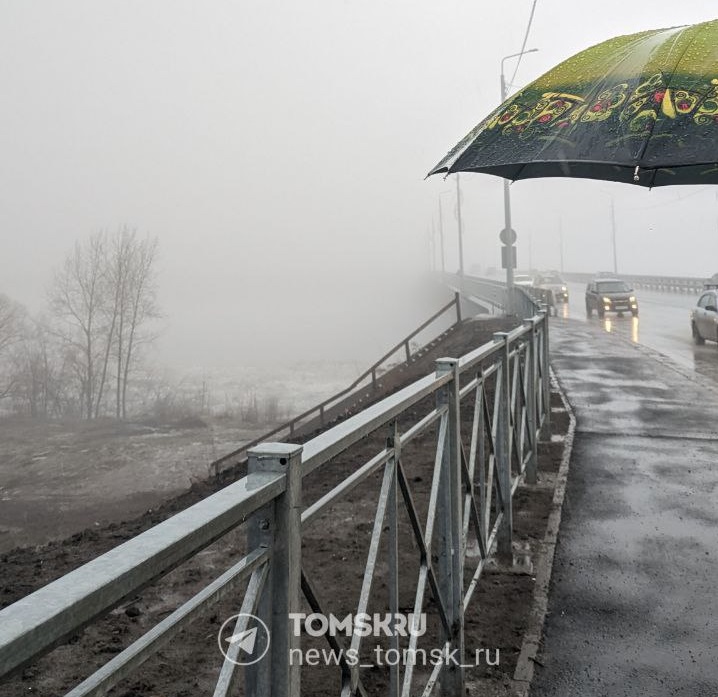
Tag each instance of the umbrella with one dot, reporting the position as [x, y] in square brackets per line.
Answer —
[641, 108]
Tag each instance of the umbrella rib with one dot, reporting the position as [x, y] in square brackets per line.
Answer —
[518, 174]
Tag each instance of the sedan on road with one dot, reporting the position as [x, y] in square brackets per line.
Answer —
[704, 317]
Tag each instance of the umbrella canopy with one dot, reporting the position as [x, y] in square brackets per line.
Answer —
[641, 108]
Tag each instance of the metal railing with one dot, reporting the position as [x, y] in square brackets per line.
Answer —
[521, 301]
[318, 415]
[666, 284]
[481, 291]
[501, 389]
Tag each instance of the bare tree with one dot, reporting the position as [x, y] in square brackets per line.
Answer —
[119, 252]
[139, 306]
[78, 299]
[104, 297]
[41, 373]
[12, 316]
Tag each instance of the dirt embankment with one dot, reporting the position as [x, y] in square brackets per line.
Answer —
[334, 554]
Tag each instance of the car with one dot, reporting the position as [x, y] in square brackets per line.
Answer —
[553, 282]
[521, 279]
[704, 316]
[610, 295]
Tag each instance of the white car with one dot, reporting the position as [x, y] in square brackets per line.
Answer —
[704, 317]
[553, 282]
[523, 280]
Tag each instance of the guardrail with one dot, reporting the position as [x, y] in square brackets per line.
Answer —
[521, 302]
[479, 290]
[665, 284]
[503, 384]
[318, 415]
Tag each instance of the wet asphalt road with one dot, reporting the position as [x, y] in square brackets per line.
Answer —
[663, 325]
[634, 600]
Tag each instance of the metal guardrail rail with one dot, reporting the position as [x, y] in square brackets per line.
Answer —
[479, 290]
[521, 301]
[469, 504]
[318, 414]
[666, 284]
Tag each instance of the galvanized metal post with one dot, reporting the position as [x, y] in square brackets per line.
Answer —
[394, 442]
[504, 537]
[546, 377]
[457, 300]
[450, 529]
[531, 384]
[278, 526]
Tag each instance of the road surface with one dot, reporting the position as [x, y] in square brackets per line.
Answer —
[663, 325]
[633, 608]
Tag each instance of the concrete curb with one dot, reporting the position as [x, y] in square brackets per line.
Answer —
[524, 672]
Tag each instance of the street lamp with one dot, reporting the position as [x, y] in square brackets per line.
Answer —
[460, 226]
[508, 234]
[441, 234]
[613, 231]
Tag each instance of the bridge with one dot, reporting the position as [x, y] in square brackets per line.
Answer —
[459, 451]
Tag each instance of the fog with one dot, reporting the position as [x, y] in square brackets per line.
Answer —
[278, 153]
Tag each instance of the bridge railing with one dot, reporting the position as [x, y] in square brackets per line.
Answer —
[665, 284]
[521, 302]
[318, 415]
[501, 389]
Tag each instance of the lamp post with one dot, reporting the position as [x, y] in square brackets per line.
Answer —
[441, 237]
[613, 237]
[508, 234]
[612, 212]
[460, 226]
[441, 230]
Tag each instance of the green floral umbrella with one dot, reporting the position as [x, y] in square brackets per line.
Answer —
[641, 108]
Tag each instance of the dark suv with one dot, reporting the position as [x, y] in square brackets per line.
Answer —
[610, 295]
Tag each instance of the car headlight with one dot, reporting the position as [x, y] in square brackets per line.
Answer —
[607, 301]
[632, 299]
[563, 288]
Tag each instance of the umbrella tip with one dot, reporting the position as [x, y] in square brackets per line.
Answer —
[636, 178]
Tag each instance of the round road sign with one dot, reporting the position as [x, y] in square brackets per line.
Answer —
[508, 235]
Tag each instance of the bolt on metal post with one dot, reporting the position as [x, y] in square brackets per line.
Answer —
[278, 527]
[450, 528]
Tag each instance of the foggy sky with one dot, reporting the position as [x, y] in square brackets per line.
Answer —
[278, 152]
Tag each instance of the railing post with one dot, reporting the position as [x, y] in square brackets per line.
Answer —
[457, 300]
[394, 443]
[545, 379]
[531, 396]
[450, 529]
[504, 537]
[278, 526]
